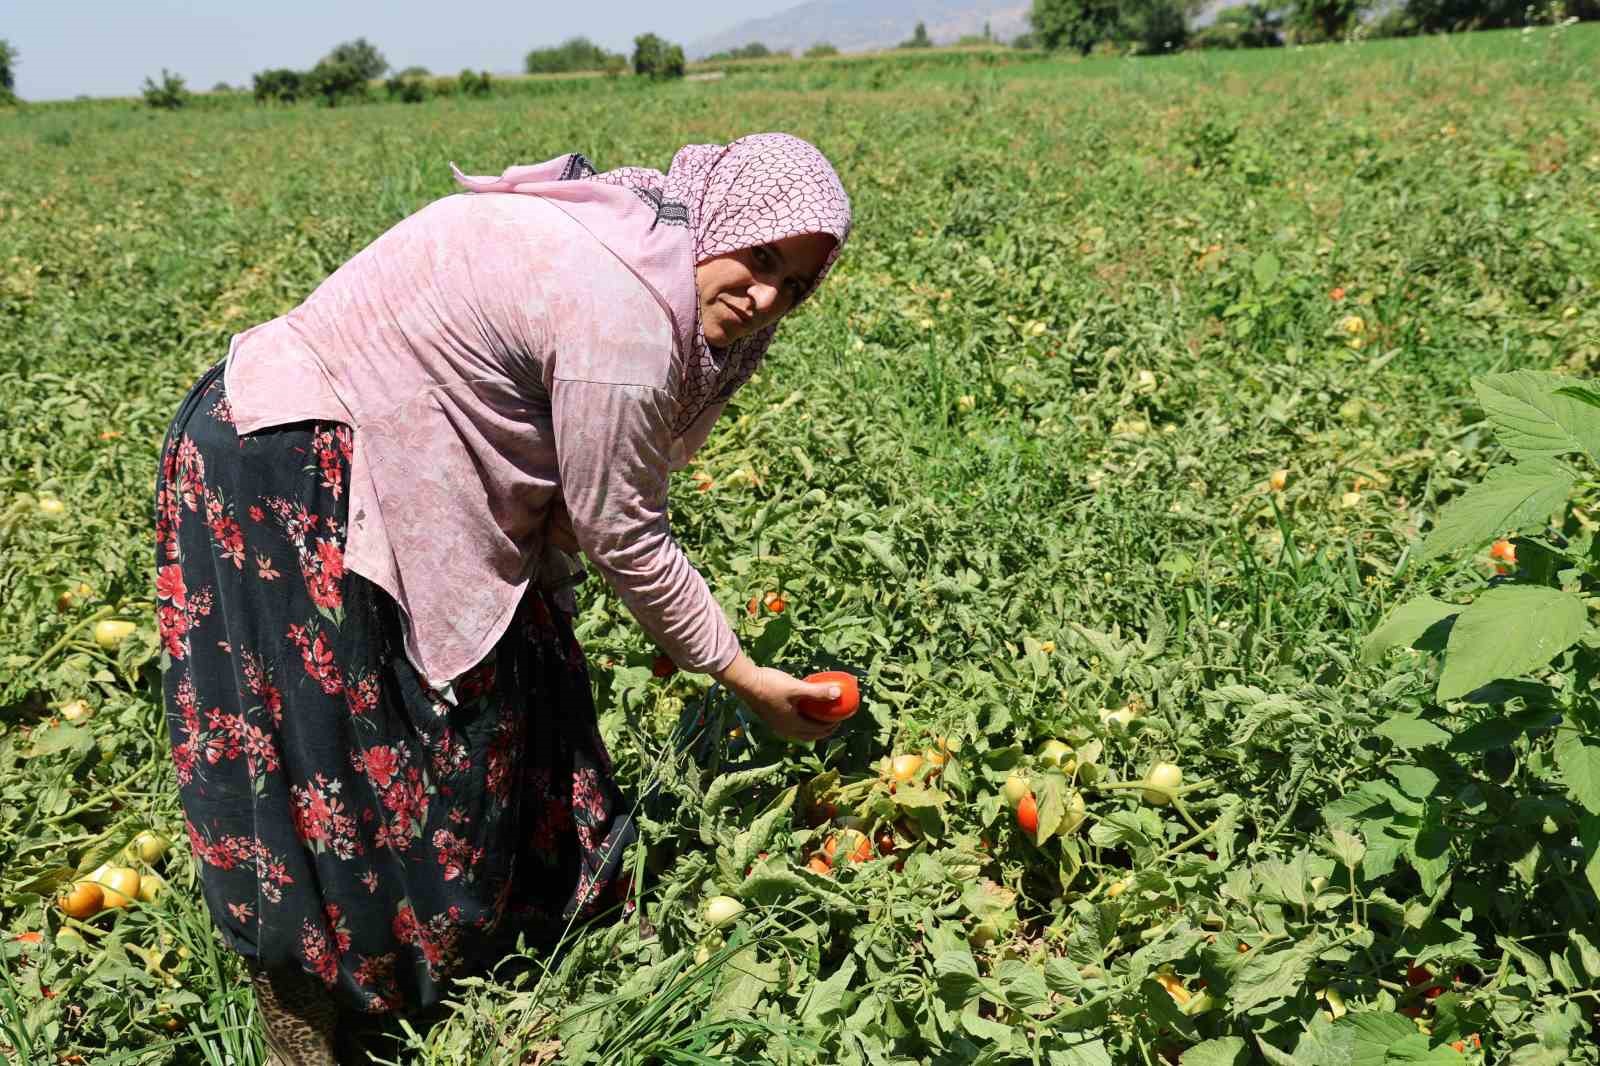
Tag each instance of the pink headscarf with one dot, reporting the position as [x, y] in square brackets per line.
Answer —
[714, 199]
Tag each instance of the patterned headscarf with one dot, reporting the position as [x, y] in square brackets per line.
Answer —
[751, 191]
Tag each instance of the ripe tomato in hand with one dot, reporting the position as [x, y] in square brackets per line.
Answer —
[838, 710]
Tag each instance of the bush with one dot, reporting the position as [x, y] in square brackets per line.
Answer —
[406, 90]
[1244, 26]
[8, 77]
[1154, 27]
[919, 38]
[415, 72]
[754, 50]
[1310, 21]
[656, 58]
[359, 56]
[821, 50]
[279, 85]
[168, 95]
[336, 82]
[573, 54]
[1076, 24]
[470, 84]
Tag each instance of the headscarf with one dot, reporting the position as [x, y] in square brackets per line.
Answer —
[713, 199]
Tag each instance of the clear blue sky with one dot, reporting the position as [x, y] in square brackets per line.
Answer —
[106, 47]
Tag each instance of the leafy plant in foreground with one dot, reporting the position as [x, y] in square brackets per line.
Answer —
[1536, 610]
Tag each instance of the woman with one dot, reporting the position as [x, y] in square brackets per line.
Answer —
[386, 745]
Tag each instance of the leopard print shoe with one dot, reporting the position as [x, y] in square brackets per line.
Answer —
[297, 1019]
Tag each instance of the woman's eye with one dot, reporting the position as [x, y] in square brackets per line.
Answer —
[763, 258]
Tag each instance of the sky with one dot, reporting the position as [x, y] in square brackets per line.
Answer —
[107, 47]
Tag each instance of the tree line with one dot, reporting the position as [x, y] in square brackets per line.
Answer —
[1167, 25]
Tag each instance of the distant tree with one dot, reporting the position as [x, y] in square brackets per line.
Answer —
[1025, 41]
[1075, 24]
[471, 84]
[656, 58]
[573, 54]
[8, 75]
[360, 56]
[1243, 26]
[406, 89]
[335, 82]
[222, 87]
[415, 72]
[278, 86]
[1310, 21]
[1154, 26]
[820, 50]
[754, 50]
[1451, 16]
[967, 40]
[919, 38]
[988, 34]
[168, 94]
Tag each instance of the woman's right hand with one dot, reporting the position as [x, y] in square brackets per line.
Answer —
[772, 695]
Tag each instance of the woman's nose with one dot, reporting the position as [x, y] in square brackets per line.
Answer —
[765, 297]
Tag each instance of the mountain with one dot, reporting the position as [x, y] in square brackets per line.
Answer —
[862, 25]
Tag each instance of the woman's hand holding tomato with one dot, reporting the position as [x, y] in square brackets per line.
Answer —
[774, 696]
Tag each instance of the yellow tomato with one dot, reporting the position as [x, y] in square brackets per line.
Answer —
[112, 632]
[83, 900]
[1165, 778]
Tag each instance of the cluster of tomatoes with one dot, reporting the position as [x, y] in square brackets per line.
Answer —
[112, 886]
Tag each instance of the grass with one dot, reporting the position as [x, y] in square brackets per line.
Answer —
[950, 463]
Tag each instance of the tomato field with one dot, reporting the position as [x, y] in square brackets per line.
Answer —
[1129, 431]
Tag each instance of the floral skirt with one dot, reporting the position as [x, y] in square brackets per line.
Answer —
[349, 821]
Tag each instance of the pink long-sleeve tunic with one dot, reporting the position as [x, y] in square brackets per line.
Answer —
[493, 359]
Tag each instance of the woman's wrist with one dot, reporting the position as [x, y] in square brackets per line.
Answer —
[737, 675]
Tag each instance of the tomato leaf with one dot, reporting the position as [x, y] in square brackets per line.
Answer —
[1405, 625]
[1509, 500]
[1580, 768]
[1506, 632]
[1223, 1051]
[1408, 732]
[1534, 414]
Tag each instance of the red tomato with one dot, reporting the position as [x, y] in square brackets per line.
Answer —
[819, 865]
[838, 710]
[663, 666]
[1505, 551]
[1028, 814]
[1418, 975]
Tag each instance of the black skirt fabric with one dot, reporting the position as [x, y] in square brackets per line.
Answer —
[348, 820]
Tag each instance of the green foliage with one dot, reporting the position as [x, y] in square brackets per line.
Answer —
[1075, 24]
[8, 72]
[919, 38]
[1241, 26]
[407, 90]
[821, 50]
[168, 94]
[573, 54]
[1154, 27]
[1011, 465]
[754, 50]
[1310, 21]
[360, 57]
[334, 82]
[656, 58]
[474, 84]
[279, 85]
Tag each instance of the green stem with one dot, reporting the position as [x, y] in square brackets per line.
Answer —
[110, 793]
[66, 638]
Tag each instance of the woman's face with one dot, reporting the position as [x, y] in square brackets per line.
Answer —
[749, 289]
